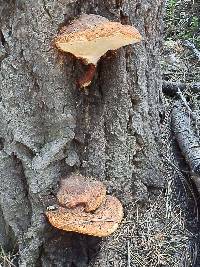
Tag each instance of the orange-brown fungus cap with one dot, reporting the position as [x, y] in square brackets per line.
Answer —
[91, 36]
[102, 222]
[76, 190]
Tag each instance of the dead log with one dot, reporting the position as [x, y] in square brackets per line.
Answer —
[172, 88]
[187, 139]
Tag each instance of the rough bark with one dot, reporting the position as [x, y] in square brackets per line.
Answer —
[49, 128]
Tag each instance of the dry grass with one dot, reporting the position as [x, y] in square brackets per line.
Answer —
[162, 237]
[7, 259]
[152, 236]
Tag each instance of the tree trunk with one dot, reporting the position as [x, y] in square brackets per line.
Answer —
[49, 128]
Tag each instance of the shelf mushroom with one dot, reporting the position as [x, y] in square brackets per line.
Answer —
[102, 222]
[76, 190]
[84, 207]
[90, 36]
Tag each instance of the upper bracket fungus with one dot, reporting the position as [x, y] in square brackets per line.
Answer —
[76, 191]
[83, 207]
[91, 36]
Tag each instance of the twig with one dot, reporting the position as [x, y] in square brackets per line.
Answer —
[184, 101]
[128, 255]
[96, 220]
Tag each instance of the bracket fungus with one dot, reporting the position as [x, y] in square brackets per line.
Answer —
[78, 191]
[84, 207]
[90, 36]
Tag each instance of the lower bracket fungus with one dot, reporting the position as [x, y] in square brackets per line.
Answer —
[84, 207]
[90, 36]
[102, 222]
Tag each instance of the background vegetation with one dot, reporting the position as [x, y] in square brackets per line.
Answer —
[183, 20]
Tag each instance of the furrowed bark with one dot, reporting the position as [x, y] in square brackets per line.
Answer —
[50, 129]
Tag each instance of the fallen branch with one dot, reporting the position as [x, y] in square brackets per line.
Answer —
[171, 88]
[188, 141]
